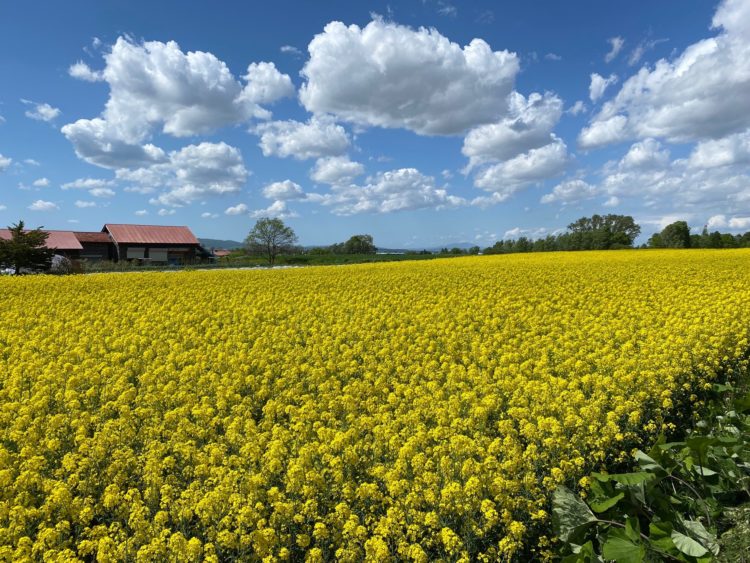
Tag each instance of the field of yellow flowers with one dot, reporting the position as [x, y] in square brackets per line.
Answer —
[413, 410]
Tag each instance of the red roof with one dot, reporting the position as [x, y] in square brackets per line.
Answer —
[92, 237]
[221, 253]
[60, 240]
[150, 234]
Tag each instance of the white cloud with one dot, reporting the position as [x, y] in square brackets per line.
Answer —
[570, 191]
[577, 108]
[701, 94]
[732, 223]
[41, 183]
[733, 149]
[141, 213]
[336, 170]
[319, 137]
[166, 212]
[397, 190]
[739, 223]
[2, 119]
[192, 173]
[290, 50]
[156, 87]
[31, 162]
[641, 49]
[717, 222]
[528, 233]
[646, 154]
[527, 126]
[239, 209]
[139, 189]
[86, 184]
[41, 205]
[3, 207]
[84, 204]
[616, 44]
[283, 190]
[599, 84]
[603, 132]
[82, 71]
[277, 209]
[534, 166]
[553, 57]
[390, 75]
[207, 215]
[41, 112]
[265, 84]
[613, 201]
[102, 192]
[5, 161]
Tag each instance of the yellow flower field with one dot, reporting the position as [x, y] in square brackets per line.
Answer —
[413, 410]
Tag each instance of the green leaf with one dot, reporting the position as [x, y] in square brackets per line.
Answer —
[633, 529]
[698, 531]
[619, 547]
[583, 554]
[660, 535]
[635, 478]
[705, 471]
[569, 513]
[742, 404]
[606, 503]
[646, 462]
[688, 545]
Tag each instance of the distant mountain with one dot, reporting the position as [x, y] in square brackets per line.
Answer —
[217, 243]
[461, 245]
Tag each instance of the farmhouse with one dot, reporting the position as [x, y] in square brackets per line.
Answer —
[64, 242]
[153, 243]
[145, 243]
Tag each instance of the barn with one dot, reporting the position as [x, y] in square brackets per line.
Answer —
[63, 242]
[154, 243]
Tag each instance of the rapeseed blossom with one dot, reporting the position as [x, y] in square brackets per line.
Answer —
[414, 411]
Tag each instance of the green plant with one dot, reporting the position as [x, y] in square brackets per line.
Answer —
[677, 502]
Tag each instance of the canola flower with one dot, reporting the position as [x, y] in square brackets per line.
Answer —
[406, 411]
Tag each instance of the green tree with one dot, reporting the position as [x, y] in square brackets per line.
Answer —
[270, 237]
[25, 249]
[676, 235]
[360, 244]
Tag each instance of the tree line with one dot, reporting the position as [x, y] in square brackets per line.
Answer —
[677, 235]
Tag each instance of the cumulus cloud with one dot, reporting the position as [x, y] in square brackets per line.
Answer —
[396, 190]
[641, 49]
[31, 162]
[290, 50]
[336, 170]
[208, 215]
[82, 71]
[319, 137]
[527, 126]
[238, 209]
[192, 173]
[616, 44]
[84, 204]
[156, 87]
[646, 154]
[166, 212]
[390, 75]
[570, 191]
[283, 190]
[102, 192]
[278, 209]
[41, 205]
[577, 108]
[533, 166]
[86, 184]
[41, 112]
[141, 212]
[700, 95]
[599, 84]
[731, 150]
[553, 57]
[40, 183]
[5, 161]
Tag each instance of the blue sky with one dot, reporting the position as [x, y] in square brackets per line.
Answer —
[422, 122]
